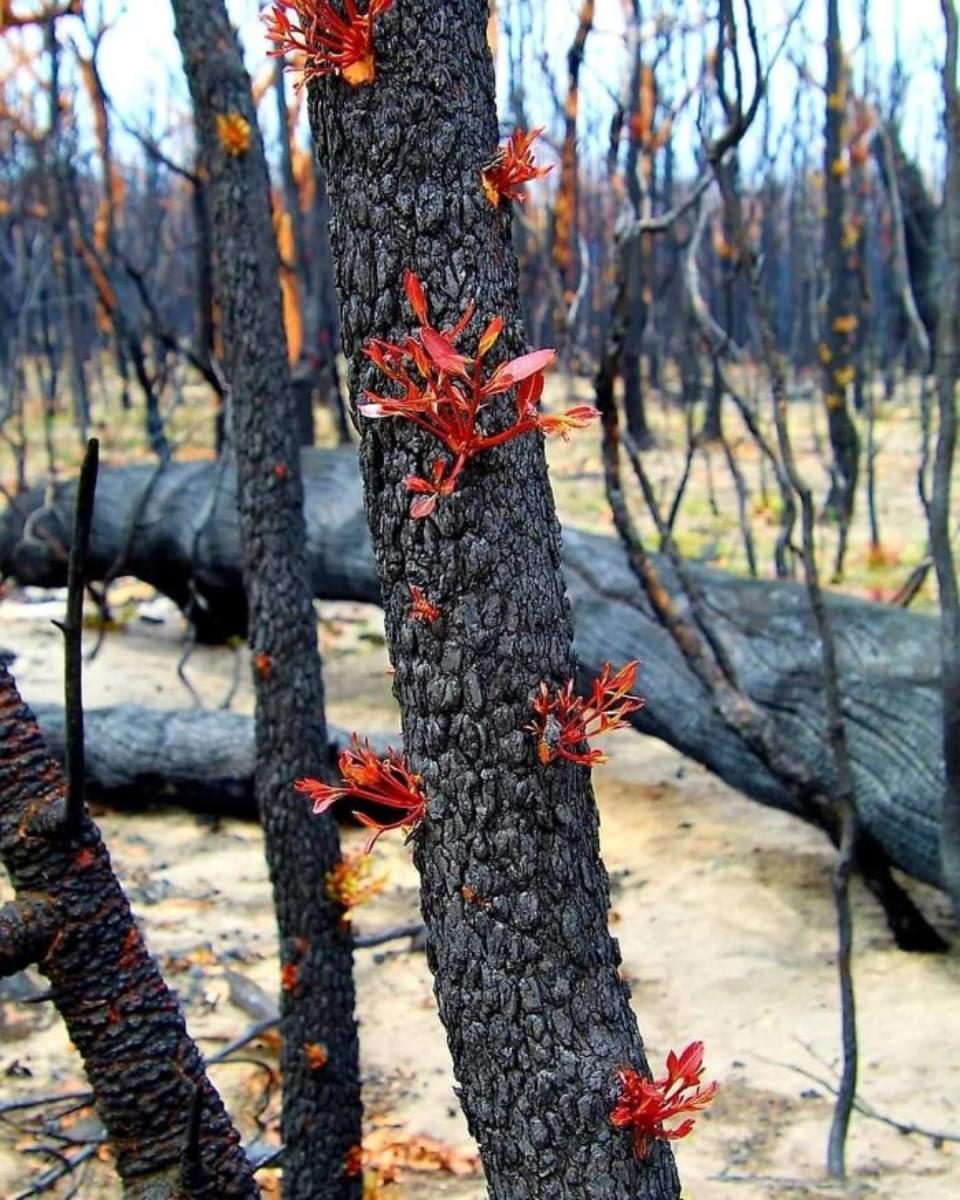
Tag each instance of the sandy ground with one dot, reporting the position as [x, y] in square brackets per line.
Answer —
[722, 909]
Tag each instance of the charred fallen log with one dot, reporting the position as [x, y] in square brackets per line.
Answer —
[177, 530]
[175, 527]
[198, 759]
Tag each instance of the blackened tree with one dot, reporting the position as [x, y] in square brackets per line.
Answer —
[514, 893]
[321, 1109]
[164, 1120]
[840, 323]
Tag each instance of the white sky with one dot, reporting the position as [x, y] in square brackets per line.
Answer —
[141, 63]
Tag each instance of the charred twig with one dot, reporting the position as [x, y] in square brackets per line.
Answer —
[366, 940]
[72, 629]
[65, 1166]
[908, 591]
[867, 1110]
[843, 799]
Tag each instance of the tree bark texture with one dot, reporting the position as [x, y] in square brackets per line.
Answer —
[321, 1108]
[537, 1017]
[884, 652]
[145, 1070]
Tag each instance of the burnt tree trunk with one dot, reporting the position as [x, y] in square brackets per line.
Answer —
[71, 918]
[321, 1108]
[537, 1017]
[840, 326]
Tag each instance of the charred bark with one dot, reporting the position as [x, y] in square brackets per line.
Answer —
[537, 1017]
[321, 1108]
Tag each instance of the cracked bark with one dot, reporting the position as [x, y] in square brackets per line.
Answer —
[126, 1024]
[321, 1108]
[537, 1017]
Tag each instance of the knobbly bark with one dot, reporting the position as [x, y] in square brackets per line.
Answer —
[537, 1017]
[72, 918]
[321, 1110]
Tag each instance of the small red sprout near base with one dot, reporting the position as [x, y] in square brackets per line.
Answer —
[565, 721]
[317, 1055]
[331, 43]
[444, 393]
[353, 1162]
[384, 781]
[421, 609]
[289, 976]
[644, 1104]
[511, 167]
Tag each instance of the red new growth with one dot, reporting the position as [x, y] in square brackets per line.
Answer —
[565, 721]
[385, 781]
[331, 43]
[512, 166]
[644, 1104]
[444, 392]
[421, 609]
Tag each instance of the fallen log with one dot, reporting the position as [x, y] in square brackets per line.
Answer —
[198, 759]
[175, 527]
[177, 530]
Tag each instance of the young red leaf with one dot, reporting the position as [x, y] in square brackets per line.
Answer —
[384, 781]
[489, 336]
[565, 721]
[511, 373]
[414, 290]
[443, 353]
[331, 42]
[574, 418]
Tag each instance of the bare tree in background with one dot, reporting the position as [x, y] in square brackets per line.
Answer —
[321, 1107]
[947, 368]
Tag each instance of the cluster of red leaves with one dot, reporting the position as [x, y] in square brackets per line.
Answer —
[565, 721]
[644, 1104]
[511, 167]
[384, 781]
[331, 43]
[444, 392]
